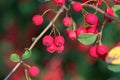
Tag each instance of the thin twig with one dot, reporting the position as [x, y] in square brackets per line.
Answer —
[13, 70]
[36, 40]
[49, 25]
[101, 11]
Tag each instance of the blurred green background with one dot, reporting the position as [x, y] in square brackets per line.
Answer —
[17, 31]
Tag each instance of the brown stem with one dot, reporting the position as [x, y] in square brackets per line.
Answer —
[36, 40]
[101, 11]
[99, 40]
[13, 70]
[49, 25]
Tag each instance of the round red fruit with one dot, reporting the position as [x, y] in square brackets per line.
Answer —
[77, 6]
[118, 44]
[59, 2]
[91, 19]
[67, 21]
[37, 20]
[117, 2]
[81, 30]
[110, 12]
[93, 51]
[60, 49]
[47, 40]
[102, 49]
[33, 71]
[71, 34]
[59, 40]
[92, 30]
[51, 48]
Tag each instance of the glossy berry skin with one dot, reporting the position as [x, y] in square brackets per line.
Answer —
[47, 40]
[84, 0]
[51, 48]
[110, 12]
[99, 2]
[67, 21]
[59, 2]
[117, 2]
[81, 30]
[71, 34]
[60, 49]
[59, 40]
[102, 49]
[91, 19]
[93, 51]
[33, 71]
[92, 30]
[118, 44]
[77, 6]
[37, 20]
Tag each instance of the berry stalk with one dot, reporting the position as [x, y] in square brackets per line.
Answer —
[101, 11]
[36, 40]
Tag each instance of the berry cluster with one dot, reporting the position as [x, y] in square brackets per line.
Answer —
[96, 51]
[53, 44]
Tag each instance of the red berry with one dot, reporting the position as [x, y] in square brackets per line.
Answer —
[99, 2]
[47, 40]
[60, 49]
[84, 0]
[81, 30]
[33, 71]
[71, 34]
[67, 21]
[37, 20]
[118, 44]
[92, 30]
[91, 19]
[102, 49]
[110, 12]
[117, 2]
[93, 51]
[59, 2]
[51, 48]
[59, 40]
[77, 6]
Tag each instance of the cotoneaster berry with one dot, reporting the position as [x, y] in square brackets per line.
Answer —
[47, 40]
[59, 2]
[99, 2]
[67, 21]
[81, 30]
[91, 19]
[77, 6]
[117, 2]
[33, 71]
[118, 44]
[37, 20]
[93, 51]
[51, 48]
[110, 12]
[84, 0]
[71, 34]
[59, 49]
[102, 49]
[59, 40]
[92, 30]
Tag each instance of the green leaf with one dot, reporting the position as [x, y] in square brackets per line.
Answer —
[114, 68]
[117, 10]
[14, 57]
[87, 38]
[43, 0]
[26, 54]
